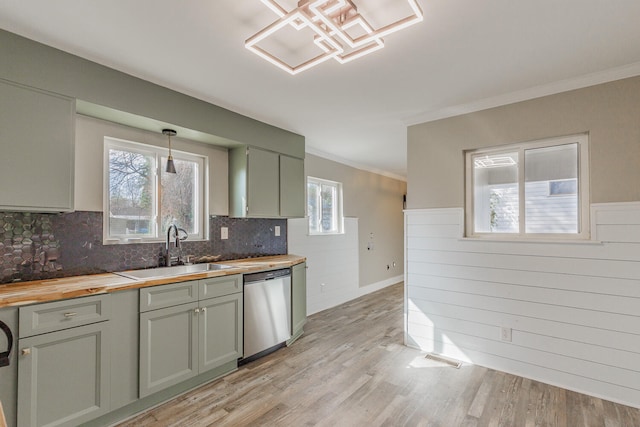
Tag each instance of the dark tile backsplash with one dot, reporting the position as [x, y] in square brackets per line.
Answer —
[37, 246]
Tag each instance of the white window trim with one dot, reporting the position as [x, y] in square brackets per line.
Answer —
[339, 210]
[583, 189]
[157, 152]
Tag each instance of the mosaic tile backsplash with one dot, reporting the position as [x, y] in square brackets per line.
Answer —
[36, 246]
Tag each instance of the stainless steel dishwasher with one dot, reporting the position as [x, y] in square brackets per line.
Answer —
[267, 312]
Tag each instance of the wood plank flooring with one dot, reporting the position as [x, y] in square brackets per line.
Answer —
[352, 369]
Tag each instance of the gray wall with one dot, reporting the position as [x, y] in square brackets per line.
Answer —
[34, 64]
[377, 203]
[609, 112]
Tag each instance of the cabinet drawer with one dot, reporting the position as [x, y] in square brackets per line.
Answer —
[219, 286]
[58, 315]
[162, 296]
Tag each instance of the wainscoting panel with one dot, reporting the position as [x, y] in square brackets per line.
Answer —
[572, 308]
[332, 263]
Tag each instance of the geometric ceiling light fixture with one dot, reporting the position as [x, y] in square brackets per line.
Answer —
[334, 29]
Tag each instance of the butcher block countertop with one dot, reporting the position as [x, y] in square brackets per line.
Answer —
[23, 293]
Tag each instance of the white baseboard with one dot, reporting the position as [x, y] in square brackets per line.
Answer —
[379, 285]
[351, 294]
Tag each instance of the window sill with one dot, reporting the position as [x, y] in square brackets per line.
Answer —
[532, 240]
[326, 234]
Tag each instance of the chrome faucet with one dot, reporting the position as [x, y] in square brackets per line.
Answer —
[168, 258]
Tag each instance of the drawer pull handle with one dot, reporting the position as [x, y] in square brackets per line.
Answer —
[70, 314]
[203, 309]
[26, 351]
[196, 310]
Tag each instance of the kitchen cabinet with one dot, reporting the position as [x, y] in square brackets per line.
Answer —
[181, 341]
[84, 360]
[124, 348]
[220, 331]
[63, 374]
[37, 132]
[265, 184]
[168, 347]
[298, 300]
[292, 183]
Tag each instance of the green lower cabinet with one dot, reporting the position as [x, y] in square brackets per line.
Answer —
[63, 377]
[168, 347]
[298, 300]
[180, 342]
[220, 331]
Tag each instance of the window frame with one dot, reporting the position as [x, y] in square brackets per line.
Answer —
[582, 194]
[158, 154]
[339, 206]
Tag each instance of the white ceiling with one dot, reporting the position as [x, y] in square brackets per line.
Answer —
[466, 55]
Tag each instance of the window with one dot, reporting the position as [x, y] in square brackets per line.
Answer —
[534, 189]
[141, 200]
[324, 206]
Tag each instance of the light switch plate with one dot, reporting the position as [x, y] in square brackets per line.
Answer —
[277, 230]
[224, 233]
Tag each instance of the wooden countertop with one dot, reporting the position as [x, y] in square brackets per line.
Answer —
[24, 293]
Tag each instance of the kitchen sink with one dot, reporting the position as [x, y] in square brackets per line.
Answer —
[177, 270]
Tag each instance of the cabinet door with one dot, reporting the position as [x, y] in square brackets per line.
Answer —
[36, 141]
[63, 377]
[263, 189]
[124, 348]
[298, 298]
[220, 331]
[291, 187]
[168, 347]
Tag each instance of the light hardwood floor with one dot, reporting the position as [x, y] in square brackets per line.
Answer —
[351, 369]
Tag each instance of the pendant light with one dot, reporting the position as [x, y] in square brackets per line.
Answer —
[171, 168]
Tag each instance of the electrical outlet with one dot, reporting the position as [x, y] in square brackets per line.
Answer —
[277, 230]
[224, 233]
[505, 334]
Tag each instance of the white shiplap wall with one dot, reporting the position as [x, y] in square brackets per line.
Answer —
[574, 308]
[332, 263]
[333, 270]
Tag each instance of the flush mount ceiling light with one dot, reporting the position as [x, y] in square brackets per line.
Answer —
[336, 30]
[171, 168]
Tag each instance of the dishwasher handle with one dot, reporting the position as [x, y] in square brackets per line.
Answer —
[267, 275]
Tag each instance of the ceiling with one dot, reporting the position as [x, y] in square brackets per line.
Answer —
[465, 56]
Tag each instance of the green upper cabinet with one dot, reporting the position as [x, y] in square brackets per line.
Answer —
[37, 132]
[262, 197]
[291, 187]
[265, 184]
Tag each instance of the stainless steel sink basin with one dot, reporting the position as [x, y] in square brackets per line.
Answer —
[178, 270]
